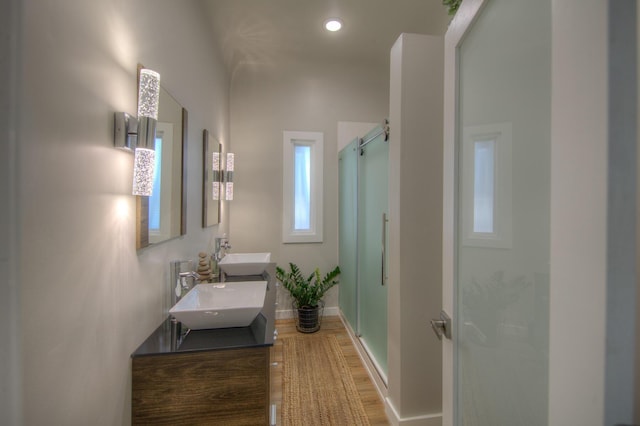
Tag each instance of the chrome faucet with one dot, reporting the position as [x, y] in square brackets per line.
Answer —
[222, 243]
[181, 271]
[180, 284]
[192, 274]
[182, 287]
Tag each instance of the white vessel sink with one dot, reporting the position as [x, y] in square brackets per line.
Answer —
[233, 304]
[244, 263]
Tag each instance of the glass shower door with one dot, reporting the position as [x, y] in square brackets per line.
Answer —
[503, 217]
[348, 219]
[372, 210]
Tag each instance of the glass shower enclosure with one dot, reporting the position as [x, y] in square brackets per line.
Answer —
[363, 210]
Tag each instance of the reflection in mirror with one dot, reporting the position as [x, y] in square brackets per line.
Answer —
[161, 216]
[211, 152]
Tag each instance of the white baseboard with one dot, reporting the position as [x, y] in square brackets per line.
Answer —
[423, 420]
[330, 311]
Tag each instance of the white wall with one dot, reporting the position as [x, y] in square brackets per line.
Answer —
[415, 229]
[349, 130]
[268, 99]
[578, 212]
[88, 299]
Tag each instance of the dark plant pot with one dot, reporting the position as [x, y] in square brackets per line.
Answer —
[308, 318]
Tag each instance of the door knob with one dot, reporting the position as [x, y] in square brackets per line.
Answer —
[442, 326]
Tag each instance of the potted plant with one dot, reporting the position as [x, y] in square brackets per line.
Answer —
[453, 5]
[307, 294]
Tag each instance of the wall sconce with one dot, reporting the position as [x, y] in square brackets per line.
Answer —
[223, 179]
[217, 176]
[228, 177]
[138, 134]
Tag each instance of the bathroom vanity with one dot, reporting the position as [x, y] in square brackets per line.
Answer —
[214, 376]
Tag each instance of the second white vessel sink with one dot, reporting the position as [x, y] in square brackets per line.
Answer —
[236, 264]
[233, 304]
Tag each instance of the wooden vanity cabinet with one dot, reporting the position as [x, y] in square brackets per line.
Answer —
[225, 387]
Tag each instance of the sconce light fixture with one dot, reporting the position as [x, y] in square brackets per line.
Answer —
[228, 177]
[217, 176]
[223, 176]
[138, 134]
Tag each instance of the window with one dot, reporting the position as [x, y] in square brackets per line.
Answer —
[483, 185]
[154, 199]
[486, 186]
[302, 187]
[160, 202]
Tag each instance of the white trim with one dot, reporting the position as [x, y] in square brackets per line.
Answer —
[315, 140]
[424, 420]
[461, 23]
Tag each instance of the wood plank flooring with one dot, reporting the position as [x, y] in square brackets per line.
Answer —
[330, 325]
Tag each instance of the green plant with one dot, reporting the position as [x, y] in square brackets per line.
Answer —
[306, 291]
[453, 5]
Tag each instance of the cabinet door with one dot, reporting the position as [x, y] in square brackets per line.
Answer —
[229, 387]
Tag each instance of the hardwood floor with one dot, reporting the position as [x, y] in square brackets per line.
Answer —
[330, 325]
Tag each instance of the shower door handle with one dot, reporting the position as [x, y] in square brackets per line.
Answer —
[383, 278]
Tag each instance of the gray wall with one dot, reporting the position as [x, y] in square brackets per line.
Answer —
[267, 99]
[10, 394]
[88, 299]
[621, 215]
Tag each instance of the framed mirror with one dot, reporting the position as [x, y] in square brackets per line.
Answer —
[162, 216]
[211, 156]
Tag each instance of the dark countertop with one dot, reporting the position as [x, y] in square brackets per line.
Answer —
[169, 338]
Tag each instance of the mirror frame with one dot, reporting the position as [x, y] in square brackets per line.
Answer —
[206, 172]
[142, 203]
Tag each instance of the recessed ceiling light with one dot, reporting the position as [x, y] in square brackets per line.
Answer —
[333, 24]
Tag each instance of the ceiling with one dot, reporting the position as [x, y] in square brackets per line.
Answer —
[268, 31]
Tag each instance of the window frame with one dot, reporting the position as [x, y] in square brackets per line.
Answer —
[501, 135]
[315, 140]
